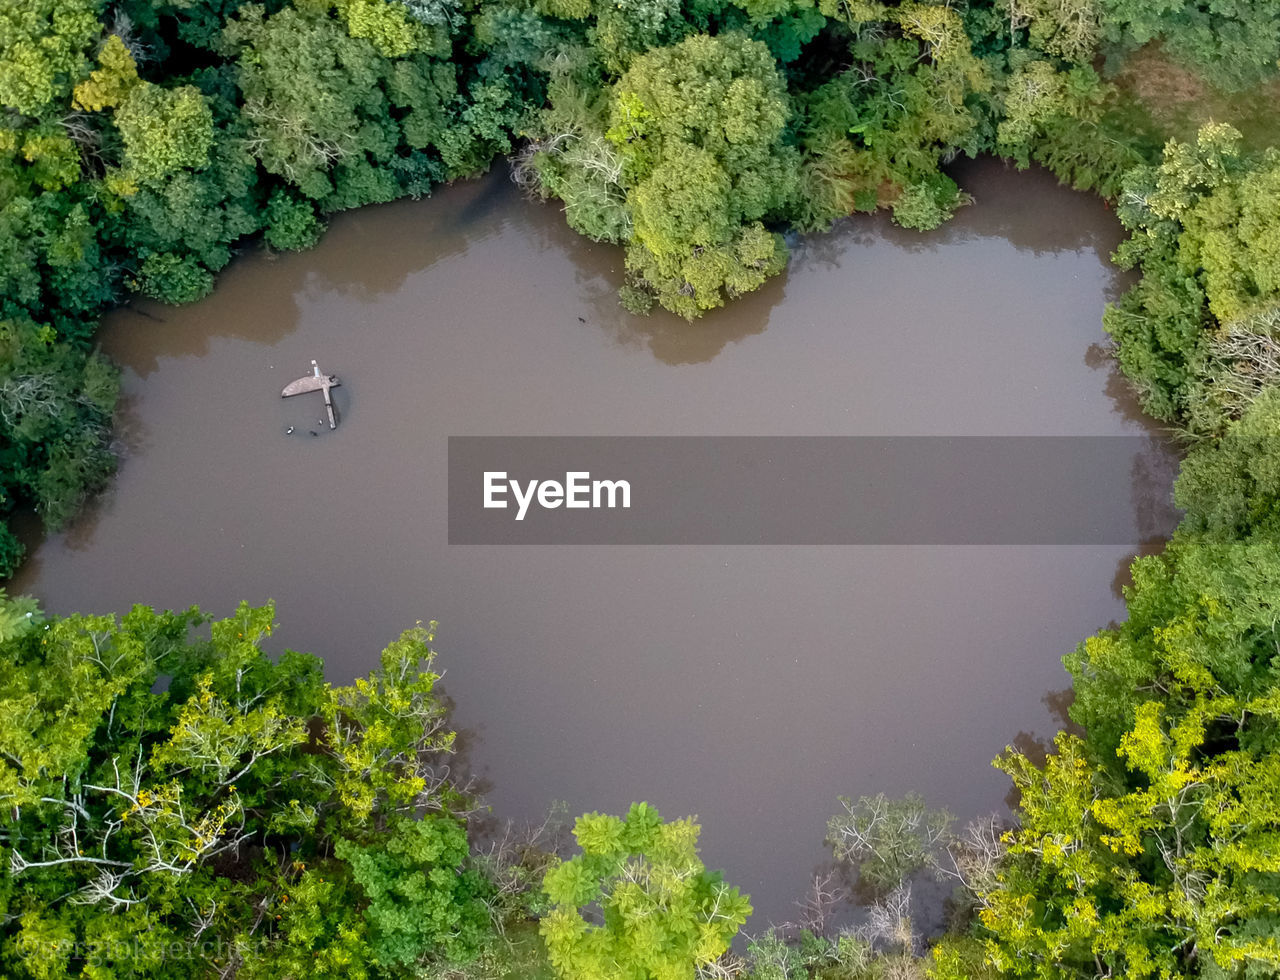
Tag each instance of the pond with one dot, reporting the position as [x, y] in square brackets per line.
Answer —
[749, 685]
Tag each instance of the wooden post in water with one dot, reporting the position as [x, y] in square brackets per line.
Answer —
[315, 381]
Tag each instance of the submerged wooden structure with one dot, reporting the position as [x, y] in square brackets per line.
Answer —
[315, 381]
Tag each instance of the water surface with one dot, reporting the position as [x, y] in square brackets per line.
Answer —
[748, 685]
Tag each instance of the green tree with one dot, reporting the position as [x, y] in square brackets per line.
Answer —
[164, 130]
[875, 134]
[1159, 325]
[56, 403]
[700, 130]
[1148, 847]
[1170, 871]
[44, 50]
[887, 840]
[653, 912]
[219, 812]
[1236, 43]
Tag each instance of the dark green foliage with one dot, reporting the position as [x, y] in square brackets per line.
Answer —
[683, 160]
[52, 263]
[879, 131]
[318, 104]
[173, 278]
[1158, 330]
[1230, 489]
[146, 141]
[55, 417]
[291, 222]
[1234, 42]
[418, 903]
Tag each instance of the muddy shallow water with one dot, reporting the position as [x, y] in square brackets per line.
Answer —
[749, 685]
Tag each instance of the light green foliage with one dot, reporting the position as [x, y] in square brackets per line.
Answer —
[1234, 235]
[389, 26]
[19, 615]
[690, 285]
[682, 159]
[1158, 199]
[218, 806]
[315, 933]
[1198, 625]
[565, 9]
[663, 913]
[385, 730]
[1034, 93]
[574, 161]
[43, 50]
[699, 127]
[927, 204]
[50, 158]
[110, 83]
[627, 28]
[1067, 29]
[1176, 866]
[1148, 848]
[164, 130]
[1205, 233]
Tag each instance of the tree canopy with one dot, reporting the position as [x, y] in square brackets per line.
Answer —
[163, 785]
[165, 792]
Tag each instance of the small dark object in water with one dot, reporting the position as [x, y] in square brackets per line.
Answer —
[582, 319]
[314, 432]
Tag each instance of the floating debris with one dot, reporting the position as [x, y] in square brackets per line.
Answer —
[315, 382]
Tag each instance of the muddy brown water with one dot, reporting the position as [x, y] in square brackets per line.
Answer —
[748, 685]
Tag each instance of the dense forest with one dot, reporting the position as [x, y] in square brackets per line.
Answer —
[177, 804]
